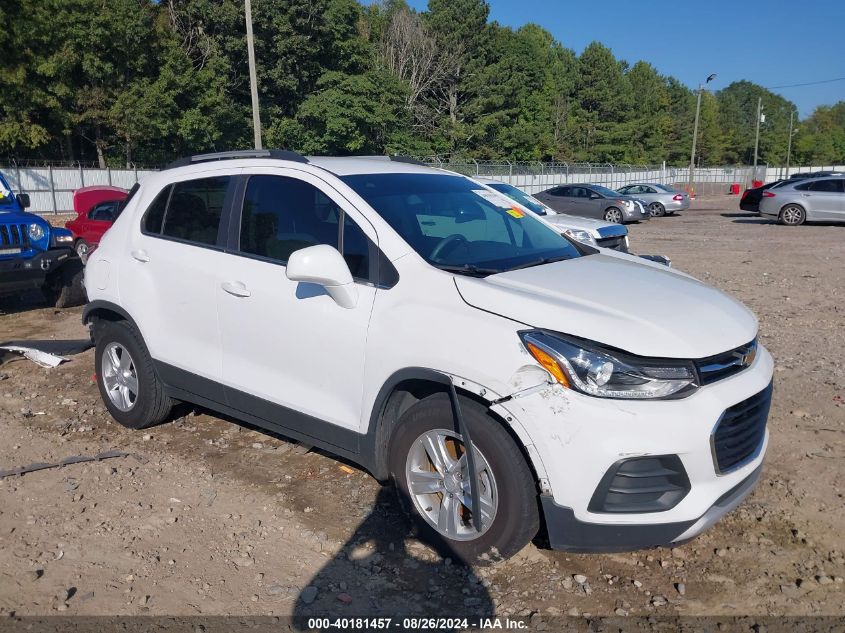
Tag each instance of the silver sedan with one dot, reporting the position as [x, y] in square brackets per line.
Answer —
[661, 199]
[816, 199]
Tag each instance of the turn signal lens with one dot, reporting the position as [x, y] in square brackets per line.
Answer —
[548, 363]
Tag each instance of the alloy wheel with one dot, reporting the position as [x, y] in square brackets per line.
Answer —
[792, 215]
[120, 377]
[613, 215]
[439, 484]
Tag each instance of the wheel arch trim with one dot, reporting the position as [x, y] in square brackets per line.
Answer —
[383, 421]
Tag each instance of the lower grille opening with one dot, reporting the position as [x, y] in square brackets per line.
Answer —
[740, 431]
[641, 484]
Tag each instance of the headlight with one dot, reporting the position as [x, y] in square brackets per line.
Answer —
[629, 204]
[581, 236]
[36, 232]
[64, 238]
[591, 370]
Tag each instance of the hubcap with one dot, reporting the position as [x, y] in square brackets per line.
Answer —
[614, 216]
[654, 209]
[119, 376]
[438, 480]
[792, 215]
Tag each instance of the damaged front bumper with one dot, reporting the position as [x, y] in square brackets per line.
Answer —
[618, 475]
[566, 532]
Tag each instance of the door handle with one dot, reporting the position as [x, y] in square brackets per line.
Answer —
[236, 288]
[141, 256]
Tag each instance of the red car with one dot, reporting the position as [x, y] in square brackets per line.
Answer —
[97, 207]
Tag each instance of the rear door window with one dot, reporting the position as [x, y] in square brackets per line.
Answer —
[194, 210]
[833, 185]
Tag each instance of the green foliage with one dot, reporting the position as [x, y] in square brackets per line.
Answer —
[145, 80]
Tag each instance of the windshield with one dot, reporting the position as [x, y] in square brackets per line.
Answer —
[520, 196]
[607, 193]
[456, 225]
[7, 198]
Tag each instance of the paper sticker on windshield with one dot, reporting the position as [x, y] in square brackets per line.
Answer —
[494, 198]
[516, 213]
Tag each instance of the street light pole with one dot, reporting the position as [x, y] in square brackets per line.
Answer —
[253, 79]
[695, 130]
[757, 134]
[789, 142]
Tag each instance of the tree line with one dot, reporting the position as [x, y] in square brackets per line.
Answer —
[143, 81]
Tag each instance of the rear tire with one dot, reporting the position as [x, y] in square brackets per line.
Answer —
[613, 215]
[792, 215]
[656, 210]
[507, 486]
[128, 384]
[65, 288]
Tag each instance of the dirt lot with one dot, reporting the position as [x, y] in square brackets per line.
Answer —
[210, 517]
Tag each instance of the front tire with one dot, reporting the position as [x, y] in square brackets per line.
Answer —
[427, 464]
[128, 384]
[65, 288]
[792, 215]
[82, 247]
[613, 215]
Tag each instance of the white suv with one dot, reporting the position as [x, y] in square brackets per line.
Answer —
[395, 314]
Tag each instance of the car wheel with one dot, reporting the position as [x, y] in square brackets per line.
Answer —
[613, 215]
[64, 288]
[128, 384]
[427, 462]
[656, 210]
[82, 247]
[792, 215]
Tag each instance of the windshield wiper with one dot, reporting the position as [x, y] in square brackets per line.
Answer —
[469, 269]
[537, 262]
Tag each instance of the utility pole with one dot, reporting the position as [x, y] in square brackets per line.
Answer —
[757, 135]
[789, 142]
[695, 131]
[253, 79]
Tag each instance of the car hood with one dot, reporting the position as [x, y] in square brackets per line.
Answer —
[644, 309]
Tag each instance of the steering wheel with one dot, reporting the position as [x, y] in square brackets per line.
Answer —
[455, 238]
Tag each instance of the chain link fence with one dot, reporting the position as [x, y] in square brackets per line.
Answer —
[50, 185]
[536, 176]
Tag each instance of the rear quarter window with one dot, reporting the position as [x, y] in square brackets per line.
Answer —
[154, 216]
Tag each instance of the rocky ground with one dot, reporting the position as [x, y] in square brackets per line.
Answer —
[210, 517]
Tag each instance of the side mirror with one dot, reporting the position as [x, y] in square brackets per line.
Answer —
[23, 200]
[324, 265]
[594, 196]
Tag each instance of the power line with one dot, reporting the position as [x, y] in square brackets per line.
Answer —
[809, 83]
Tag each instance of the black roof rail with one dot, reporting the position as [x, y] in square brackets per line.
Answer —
[278, 154]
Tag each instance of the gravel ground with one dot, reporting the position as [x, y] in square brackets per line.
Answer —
[209, 517]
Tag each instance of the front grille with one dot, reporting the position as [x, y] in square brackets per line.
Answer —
[616, 243]
[641, 484]
[13, 235]
[740, 431]
[726, 364]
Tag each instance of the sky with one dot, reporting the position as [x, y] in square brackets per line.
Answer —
[770, 42]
